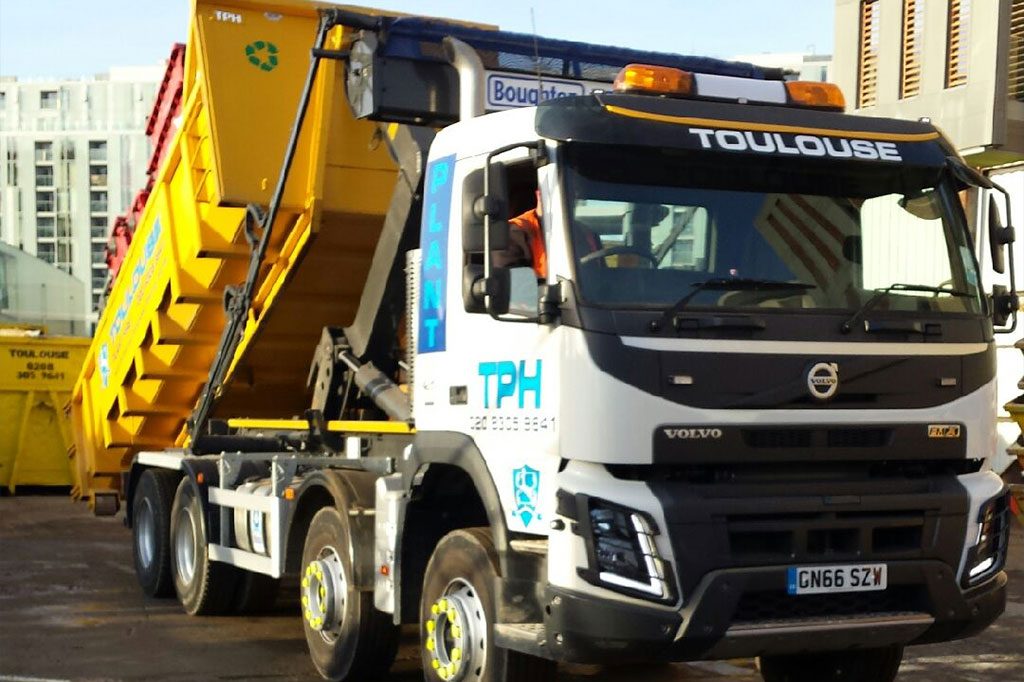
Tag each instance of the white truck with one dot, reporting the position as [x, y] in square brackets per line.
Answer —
[726, 418]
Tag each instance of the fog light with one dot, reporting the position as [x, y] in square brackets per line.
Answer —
[989, 552]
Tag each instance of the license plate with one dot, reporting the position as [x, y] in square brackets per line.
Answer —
[845, 578]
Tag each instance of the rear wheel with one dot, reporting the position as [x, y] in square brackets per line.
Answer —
[348, 638]
[457, 614]
[868, 665]
[204, 587]
[151, 531]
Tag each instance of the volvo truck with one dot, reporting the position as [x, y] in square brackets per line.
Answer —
[734, 398]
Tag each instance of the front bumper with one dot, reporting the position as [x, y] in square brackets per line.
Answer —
[745, 612]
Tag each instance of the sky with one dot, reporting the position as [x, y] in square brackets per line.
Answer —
[69, 38]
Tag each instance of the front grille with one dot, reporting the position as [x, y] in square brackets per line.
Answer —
[778, 605]
[781, 537]
[806, 437]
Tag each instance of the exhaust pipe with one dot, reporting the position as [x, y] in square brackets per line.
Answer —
[471, 77]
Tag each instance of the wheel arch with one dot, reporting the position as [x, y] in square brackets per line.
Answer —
[449, 488]
[352, 493]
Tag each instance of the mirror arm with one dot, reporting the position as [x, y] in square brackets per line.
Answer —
[1008, 237]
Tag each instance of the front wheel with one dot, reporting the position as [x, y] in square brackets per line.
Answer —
[868, 665]
[457, 614]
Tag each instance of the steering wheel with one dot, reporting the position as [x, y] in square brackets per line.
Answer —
[623, 249]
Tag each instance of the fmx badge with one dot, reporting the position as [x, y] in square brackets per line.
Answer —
[262, 54]
[943, 430]
[526, 488]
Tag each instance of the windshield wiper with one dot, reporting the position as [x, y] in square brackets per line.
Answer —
[879, 294]
[734, 284]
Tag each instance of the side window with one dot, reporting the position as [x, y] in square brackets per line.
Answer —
[904, 241]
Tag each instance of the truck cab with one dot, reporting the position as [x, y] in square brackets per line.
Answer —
[752, 398]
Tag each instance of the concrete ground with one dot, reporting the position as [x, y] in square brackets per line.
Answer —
[70, 610]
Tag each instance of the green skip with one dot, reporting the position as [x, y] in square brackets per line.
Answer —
[262, 54]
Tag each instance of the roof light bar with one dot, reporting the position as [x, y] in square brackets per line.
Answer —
[655, 80]
[817, 95]
[649, 79]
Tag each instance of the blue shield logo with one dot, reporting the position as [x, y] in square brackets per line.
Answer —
[526, 488]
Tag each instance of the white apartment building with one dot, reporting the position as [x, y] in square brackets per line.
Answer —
[73, 153]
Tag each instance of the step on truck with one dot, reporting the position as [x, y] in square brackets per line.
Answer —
[730, 393]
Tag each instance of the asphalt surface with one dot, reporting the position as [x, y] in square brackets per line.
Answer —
[70, 610]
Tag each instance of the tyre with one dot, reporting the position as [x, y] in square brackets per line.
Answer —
[867, 665]
[151, 531]
[457, 613]
[348, 638]
[256, 593]
[204, 587]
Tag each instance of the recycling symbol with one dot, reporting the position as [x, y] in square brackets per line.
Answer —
[262, 54]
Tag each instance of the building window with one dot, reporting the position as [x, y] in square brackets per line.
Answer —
[913, 41]
[98, 151]
[44, 227]
[98, 202]
[44, 152]
[1015, 82]
[98, 228]
[958, 31]
[45, 202]
[44, 176]
[49, 99]
[867, 56]
[3, 99]
[12, 168]
[45, 251]
[99, 278]
[99, 253]
[64, 254]
[97, 176]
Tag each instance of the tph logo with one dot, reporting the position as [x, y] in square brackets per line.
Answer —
[510, 381]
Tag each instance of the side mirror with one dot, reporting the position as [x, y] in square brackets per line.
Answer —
[1004, 303]
[996, 237]
[482, 294]
[476, 205]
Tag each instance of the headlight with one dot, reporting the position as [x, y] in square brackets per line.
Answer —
[624, 556]
[989, 552]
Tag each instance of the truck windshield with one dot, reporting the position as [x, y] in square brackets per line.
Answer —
[651, 229]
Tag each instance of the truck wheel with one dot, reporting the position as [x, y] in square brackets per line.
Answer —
[457, 613]
[151, 531]
[868, 665]
[256, 593]
[348, 638]
[204, 587]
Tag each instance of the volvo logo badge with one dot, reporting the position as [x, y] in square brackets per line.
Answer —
[823, 380]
